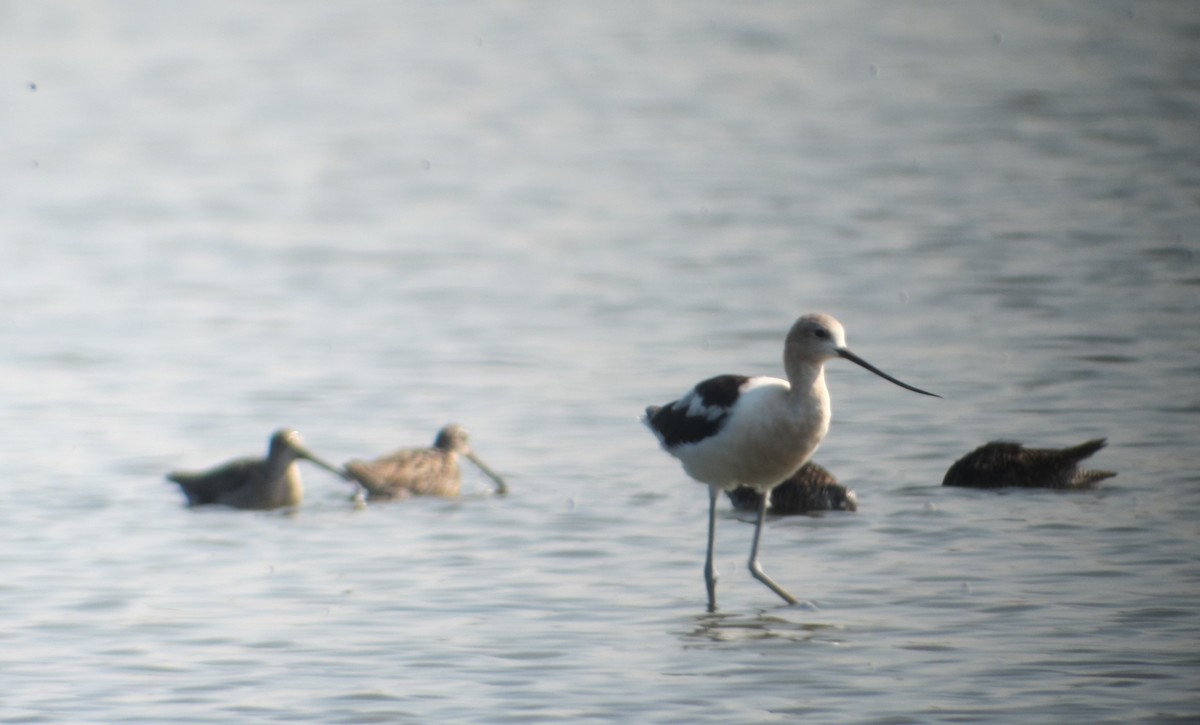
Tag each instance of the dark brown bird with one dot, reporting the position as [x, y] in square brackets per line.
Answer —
[253, 483]
[812, 488]
[421, 471]
[1002, 464]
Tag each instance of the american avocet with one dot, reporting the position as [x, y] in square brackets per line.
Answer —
[1001, 464]
[734, 430]
[254, 483]
[421, 471]
[812, 488]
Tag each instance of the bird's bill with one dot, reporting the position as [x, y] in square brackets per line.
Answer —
[310, 456]
[844, 353]
[501, 486]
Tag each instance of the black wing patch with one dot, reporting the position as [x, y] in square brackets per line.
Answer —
[699, 414]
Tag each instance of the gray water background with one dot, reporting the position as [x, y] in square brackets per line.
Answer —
[366, 220]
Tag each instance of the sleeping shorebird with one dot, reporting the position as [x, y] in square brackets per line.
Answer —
[812, 488]
[1001, 464]
[253, 483]
[734, 430]
[421, 471]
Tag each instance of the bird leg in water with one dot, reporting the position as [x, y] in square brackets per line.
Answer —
[710, 572]
[755, 567]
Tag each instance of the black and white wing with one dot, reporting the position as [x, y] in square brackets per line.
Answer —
[699, 414]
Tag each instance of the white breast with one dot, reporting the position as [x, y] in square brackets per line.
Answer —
[769, 435]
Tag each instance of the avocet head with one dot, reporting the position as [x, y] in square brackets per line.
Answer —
[817, 337]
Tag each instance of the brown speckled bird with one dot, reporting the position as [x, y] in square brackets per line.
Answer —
[253, 483]
[812, 488]
[421, 471]
[1002, 464]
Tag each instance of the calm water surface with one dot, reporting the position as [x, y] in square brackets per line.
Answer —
[366, 220]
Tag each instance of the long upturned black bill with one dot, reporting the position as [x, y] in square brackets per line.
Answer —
[843, 352]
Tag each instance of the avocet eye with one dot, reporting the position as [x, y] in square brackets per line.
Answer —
[821, 333]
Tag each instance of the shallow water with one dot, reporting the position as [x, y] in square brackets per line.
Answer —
[368, 220]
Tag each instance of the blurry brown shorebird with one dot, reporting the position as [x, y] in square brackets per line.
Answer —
[812, 488]
[430, 471]
[1002, 464]
[254, 483]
